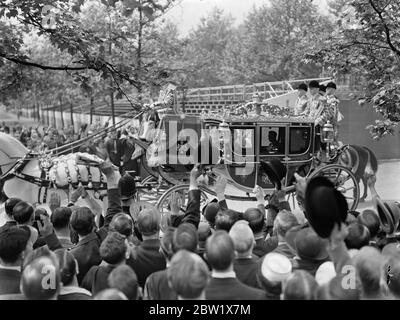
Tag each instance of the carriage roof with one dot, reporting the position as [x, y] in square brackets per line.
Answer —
[264, 119]
[241, 120]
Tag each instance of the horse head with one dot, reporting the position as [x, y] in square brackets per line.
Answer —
[10, 150]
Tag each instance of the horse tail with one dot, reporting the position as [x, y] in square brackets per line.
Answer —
[372, 160]
[363, 159]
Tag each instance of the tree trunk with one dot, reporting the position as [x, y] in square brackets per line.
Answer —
[72, 117]
[139, 53]
[62, 115]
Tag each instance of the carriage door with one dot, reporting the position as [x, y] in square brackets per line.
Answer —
[243, 168]
[272, 143]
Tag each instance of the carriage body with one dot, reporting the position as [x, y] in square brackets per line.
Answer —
[250, 144]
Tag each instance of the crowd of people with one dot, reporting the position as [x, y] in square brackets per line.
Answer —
[213, 252]
[112, 145]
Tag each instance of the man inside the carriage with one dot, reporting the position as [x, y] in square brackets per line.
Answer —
[272, 140]
[273, 146]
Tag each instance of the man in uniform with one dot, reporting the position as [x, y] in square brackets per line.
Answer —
[315, 109]
[302, 100]
[331, 112]
[315, 100]
[166, 100]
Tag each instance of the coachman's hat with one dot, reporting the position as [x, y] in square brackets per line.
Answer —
[325, 206]
[275, 171]
[127, 186]
[313, 84]
[302, 86]
[389, 214]
[331, 85]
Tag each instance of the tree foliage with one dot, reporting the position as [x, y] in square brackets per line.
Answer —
[369, 45]
[95, 43]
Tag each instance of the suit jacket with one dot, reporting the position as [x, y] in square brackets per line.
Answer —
[74, 293]
[146, 259]
[9, 281]
[96, 279]
[7, 225]
[192, 214]
[86, 252]
[232, 289]
[157, 288]
[246, 270]
[263, 246]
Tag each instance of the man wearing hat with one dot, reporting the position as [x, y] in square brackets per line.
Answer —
[331, 111]
[302, 100]
[273, 270]
[315, 101]
[127, 188]
[311, 250]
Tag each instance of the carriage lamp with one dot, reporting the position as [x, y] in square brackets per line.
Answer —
[328, 134]
[225, 141]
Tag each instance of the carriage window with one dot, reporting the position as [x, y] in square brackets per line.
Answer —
[299, 140]
[272, 140]
[243, 142]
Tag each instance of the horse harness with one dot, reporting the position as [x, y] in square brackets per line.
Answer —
[44, 182]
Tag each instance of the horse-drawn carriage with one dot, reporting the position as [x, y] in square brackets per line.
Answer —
[243, 149]
[236, 147]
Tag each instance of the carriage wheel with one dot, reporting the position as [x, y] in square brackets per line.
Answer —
[149, 179]
[163, 202]
[343, 180]
[157, 190]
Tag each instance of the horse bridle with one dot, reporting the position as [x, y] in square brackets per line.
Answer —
[16, 171]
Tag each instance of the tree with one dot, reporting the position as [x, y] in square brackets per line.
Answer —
[337, 7]
[83, 49]
[205, 49]
[269, 46]
[369, 46]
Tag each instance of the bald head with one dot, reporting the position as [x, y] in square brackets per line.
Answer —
[40, 279]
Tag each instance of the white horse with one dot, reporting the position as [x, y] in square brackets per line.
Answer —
[32, 177]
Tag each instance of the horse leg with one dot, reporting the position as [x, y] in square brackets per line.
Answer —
[364, 180]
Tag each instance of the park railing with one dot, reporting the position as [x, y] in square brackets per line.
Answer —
[264, 90]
